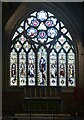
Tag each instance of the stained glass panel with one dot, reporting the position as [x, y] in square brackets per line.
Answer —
[62, 68]
[42, 27]
[22, 39]
[18, 46]
[71, 68]
[15, 35]
[53, 68]
[13, 68]
[20, 30]
[52, 32]
[31, 32]
[42, 67]
[57, 46]
[42, 15]
[62, 39]
[26, 46]
[31, 68]
[66, 46]
[64, 30]
[35, 22]
[22, 68]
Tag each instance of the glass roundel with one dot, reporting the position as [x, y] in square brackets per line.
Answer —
[42, 52]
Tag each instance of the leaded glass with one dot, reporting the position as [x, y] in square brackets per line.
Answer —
[50, 14]
[31, 32]
[38, 37]
[26, 46]
[15, 35]
[20, 30]
[66, 46]
[52, 32]
[29, 20]
[53, 68]
[18, 46]
[62, 25]
[57, 26]
[62, 39]
[31, 68]
[22, 68]
[42, 67]
[57, 46]
[26, 26]
[62, 68]
[13, 68]
[42, 15]
[22, 39]
[42, 26]
[35, 22]
[49, 23]
[33, 14]
[64, 30]
[68, 35]
[71, 68]
[22, 24]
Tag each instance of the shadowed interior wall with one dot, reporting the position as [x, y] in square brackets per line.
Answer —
[71, 15]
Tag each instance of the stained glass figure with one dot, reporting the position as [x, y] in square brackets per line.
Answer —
[42, 67]
[53, 68]
[31, 68]
[13, 68]
[62, 68]
[22, 68]
[71, 68]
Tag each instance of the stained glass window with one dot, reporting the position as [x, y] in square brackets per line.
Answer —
[42, 52]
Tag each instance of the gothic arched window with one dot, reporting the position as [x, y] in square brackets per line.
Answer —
[42, 52]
